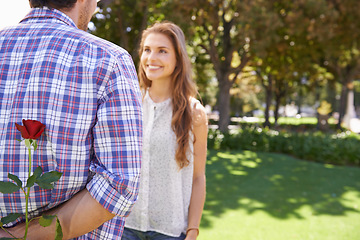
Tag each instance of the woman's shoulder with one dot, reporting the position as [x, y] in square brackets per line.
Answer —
[198, 112]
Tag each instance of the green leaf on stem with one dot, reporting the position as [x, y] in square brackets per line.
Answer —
[35, 145]
[10, 218]
[45, 181]
[38, 171]
[44, 185]
[8, 187]
[46, 220]
[15, 179]
[28, 143]
[32, 179]
[58, 232]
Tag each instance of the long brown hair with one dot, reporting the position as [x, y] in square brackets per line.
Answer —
[182, 86]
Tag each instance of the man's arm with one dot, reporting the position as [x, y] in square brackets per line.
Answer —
[80, 215]
[117, 143]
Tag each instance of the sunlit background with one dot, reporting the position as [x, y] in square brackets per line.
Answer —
[12, 11]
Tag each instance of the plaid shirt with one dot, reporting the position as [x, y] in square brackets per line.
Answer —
[85, 90]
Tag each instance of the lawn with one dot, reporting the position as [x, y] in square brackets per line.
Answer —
[265, 196]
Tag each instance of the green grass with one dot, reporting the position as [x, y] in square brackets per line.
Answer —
[299, 121]
[288, 120]
[264, 196]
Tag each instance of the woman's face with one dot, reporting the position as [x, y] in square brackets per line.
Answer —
[158, 57]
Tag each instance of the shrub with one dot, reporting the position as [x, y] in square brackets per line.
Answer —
[340, 149]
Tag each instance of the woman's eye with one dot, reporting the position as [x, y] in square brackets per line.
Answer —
[162, 51]
[147, 50]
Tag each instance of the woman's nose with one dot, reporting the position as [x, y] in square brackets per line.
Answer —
[151, 55]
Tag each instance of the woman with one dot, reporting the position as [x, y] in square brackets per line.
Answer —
[172, 186]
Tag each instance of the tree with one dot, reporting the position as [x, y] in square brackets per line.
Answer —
[283, 66]
[342, 55]
[282, 40]
[224, 29]
[122, 21]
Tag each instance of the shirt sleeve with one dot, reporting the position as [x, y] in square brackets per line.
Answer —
[118, 140]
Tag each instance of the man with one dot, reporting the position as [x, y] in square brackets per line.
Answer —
[85, 90]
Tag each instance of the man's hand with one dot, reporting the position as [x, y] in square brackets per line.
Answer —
[78, 216]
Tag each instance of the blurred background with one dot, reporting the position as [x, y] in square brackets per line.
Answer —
[256, 58]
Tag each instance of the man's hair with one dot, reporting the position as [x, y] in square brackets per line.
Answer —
[58, 4]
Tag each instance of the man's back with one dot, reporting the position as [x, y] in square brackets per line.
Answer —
[85, 91]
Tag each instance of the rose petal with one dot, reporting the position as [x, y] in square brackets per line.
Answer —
[34, 128]
[40, 132]
[23, 131]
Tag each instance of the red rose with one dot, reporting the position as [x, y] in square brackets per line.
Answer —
[32, 129]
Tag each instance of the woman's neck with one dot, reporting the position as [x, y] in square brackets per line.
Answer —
[159, 92]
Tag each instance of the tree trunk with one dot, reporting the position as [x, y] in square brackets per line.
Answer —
[224, 104]
[331, 89]
[268, 91]
[300, 99]
[342, 104]
[350, 106]
[346, 75]
[124, 40]
[280, 92]
[277, 106]
[317, 100]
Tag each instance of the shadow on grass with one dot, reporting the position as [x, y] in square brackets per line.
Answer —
[277, 184]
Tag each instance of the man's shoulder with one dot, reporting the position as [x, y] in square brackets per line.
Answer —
[89, 42]
[105, 45]
[100, 44]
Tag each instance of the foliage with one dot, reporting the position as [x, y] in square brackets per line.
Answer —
[122, 21]
[339, 149]
[301, 50]
[342, 55]
[203, 74]
[287, 66]
[246, 93]
[325, 108]
[226, 31]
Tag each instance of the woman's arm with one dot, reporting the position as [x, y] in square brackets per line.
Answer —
[200, 130]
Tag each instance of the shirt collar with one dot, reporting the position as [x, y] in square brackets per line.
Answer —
[43, 14]
[156, 104]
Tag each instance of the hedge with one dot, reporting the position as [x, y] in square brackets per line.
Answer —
[336, 148]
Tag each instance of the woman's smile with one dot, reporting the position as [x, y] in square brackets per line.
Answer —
[153, 67]
[158, 57]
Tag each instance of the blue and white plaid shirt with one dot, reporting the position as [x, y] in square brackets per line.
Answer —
[85, 90]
